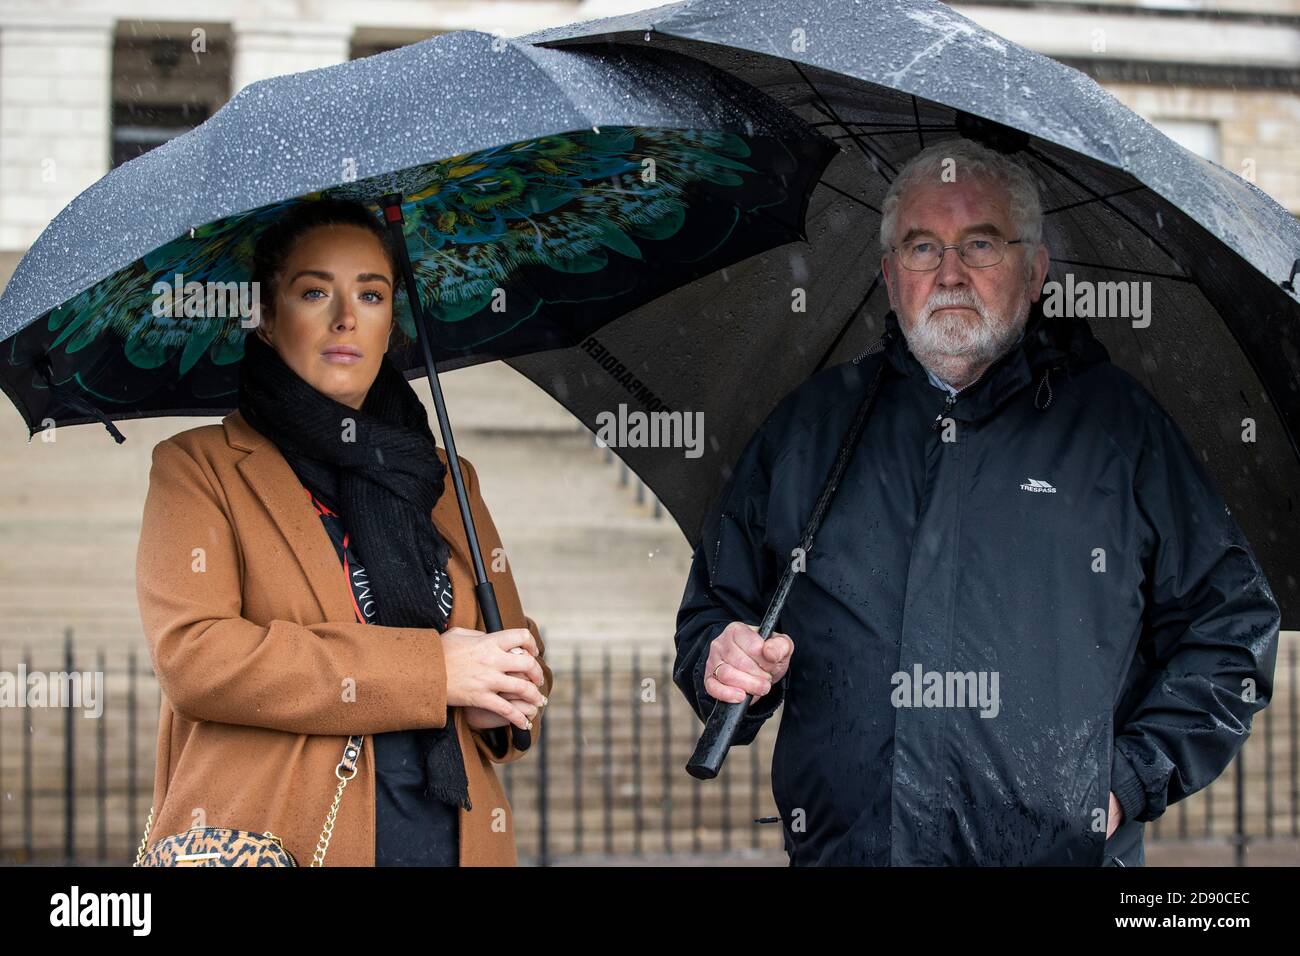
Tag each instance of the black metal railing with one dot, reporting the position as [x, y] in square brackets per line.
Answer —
[103, 794]
[612, 749]
[606, 777]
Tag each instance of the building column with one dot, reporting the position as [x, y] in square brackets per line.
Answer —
[55, 118]
[262, 49]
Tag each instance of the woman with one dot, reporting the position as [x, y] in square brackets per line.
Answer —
[303, 576]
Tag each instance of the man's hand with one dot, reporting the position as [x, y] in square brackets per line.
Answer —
[1115, 817]
[740, 662]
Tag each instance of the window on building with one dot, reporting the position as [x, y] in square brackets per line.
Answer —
[139, 127]
[367, 41]
[165, 82]
[1199, 136]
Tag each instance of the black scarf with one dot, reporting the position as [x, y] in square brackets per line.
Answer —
[385, 477]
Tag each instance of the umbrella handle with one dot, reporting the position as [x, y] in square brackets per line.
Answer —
[487, 602]
[486, 596]
[722, 725]
[715, 741]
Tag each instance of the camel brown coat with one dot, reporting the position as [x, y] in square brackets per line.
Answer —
[264, 669]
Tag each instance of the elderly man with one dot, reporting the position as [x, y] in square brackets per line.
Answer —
[1028, 623]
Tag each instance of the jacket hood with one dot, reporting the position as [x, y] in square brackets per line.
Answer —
[1050, 346]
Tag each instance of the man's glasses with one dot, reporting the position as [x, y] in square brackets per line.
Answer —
[978, 252]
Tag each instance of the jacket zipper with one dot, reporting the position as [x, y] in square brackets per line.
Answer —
[951, 400]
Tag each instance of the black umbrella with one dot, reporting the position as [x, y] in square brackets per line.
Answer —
[535, 195]
[1122, 203]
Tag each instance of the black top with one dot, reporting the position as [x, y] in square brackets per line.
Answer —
[410, 828]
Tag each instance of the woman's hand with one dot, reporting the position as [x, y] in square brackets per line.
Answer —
[481, 719]
[484, 674]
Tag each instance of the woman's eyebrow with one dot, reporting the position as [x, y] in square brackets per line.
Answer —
[329, 276]
[319, 274]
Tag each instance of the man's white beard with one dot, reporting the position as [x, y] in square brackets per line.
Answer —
[952, 345]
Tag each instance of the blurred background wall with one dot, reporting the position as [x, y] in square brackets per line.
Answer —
[88, 84]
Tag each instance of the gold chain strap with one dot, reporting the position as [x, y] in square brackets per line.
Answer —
[144, 840]
[323, 844]
[349, 762]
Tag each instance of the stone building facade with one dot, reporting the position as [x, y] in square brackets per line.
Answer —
[85, 84]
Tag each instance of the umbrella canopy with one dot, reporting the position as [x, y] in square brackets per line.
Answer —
[544, 192]
[1122, 203]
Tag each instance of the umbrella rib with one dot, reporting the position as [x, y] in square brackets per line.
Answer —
[848, 323]
[813, 217]
[1052, 164]
[909, 130]
[848, 195]
[1129, 269]
[1056, 167]
[1092, 199]
[906, 129]
[858, 141]
[1250, 358]
[1147, 376]
[916, 115]
[827, 110]
[70, 398]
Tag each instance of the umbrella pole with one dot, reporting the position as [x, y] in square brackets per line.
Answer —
[724, 721]
[483, 591]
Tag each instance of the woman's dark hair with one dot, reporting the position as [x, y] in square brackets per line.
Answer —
[277, 241]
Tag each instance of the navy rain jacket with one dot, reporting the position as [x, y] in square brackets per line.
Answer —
[1065, 540]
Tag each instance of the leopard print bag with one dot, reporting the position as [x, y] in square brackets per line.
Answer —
[223, 846]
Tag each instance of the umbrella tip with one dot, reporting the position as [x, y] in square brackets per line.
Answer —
[1289, 284]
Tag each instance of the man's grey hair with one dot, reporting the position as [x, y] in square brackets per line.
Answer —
[969, 160]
